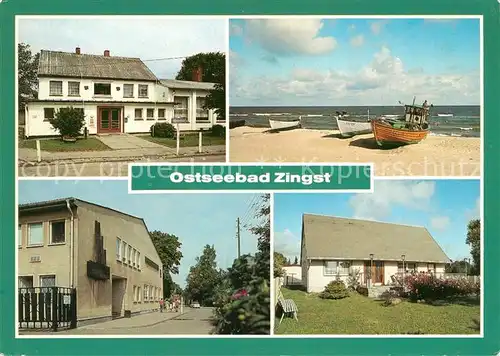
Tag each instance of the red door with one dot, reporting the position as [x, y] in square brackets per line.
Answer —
[109, 120]
[374, 269]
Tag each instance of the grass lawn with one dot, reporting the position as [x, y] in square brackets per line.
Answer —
[58, 145]
[188, 140]
[360, 315]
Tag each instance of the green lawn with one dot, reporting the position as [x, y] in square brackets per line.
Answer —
[58, 145]
[360, 315]
[188, 140]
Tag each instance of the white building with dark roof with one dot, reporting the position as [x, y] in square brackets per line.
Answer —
[116, 94]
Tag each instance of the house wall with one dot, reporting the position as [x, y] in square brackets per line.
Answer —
[293, 274]
[95, 297]
[88, 94]
[47, 258]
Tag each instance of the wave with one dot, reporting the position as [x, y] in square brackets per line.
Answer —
[238, 115]
[466, 128]
[313, 115]
[270, 114]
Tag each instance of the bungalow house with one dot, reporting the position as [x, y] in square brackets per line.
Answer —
[107, 256]
[292, 274]
[333, 247]
[116, 95]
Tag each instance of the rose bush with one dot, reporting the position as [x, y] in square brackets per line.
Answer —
[429, 287]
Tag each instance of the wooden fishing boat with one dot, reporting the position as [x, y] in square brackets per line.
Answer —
[349, 128]
[410, 129]
[283, 124]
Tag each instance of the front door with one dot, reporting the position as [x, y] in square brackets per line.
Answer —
[109, 120]
[377, 272]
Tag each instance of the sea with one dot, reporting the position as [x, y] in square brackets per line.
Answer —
[463, 121]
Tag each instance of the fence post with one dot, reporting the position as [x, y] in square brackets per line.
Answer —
[73, 305]
[178, 139]
[54, 307]
[200, 140]
[38, 151]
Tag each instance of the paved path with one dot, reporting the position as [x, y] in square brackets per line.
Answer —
[99, 169]
[126, 142]
[191, 322]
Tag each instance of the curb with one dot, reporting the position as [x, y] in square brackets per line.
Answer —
[141, 326]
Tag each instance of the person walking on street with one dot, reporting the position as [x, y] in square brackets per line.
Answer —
[162, 305]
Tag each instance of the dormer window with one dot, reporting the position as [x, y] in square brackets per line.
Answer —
[102, 89]
[55, 88]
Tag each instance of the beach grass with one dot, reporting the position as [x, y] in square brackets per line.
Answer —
[362, 315]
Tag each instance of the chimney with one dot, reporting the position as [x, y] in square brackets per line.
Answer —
[197, 74]
[106, 53]
[77, 50]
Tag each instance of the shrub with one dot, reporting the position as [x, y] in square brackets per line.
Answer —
[68, 122]
[391, 296]
[163, 129]
[335, 290]
[218, 131]
[429, 287]
[353, 279]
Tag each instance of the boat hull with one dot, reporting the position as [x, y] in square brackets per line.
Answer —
[282, 125]
[352, 128]
[386, 135]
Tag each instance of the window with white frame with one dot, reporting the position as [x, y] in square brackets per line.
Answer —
[55, 88]
[130, 255]
[411, 267]
[143, 91]
[103, 89]
[124, 251]
[401, 267]
[48, 113]
[128, 90]
[47, 281]
[73, 88]
[58, 232]
[138, 114]
[150, 114]
[118, 249]
[332, 268]
[19, 235]
[152, 297]
[343, 267]
[146, 290]
[138, 260]
[181, 107]
[133, 258]
[161, 114]
[35, 234]
[201, 111]
[135, 293]
[431, 267]
[139, 294]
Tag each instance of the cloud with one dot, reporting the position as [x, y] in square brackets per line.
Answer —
[352, 28]
[270, 59]
[377, 26]
[440, 222]
[357, 41]
[383, 80]
[235, 30]
[287, 243]
[475, 212]
[391, 194]
[286, 36]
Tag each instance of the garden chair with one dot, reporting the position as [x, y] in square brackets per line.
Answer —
[288, 306]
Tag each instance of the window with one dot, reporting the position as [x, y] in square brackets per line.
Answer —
[431, 267]
[138, 260]
[124, 251]
[143, 91]
[118, 249]
[35, 234]
[161, 114]
[130, 255]
[139, 294]
[48, 113]
[411, 267]
[151, 293]
[25, 281]
[55, 88]
[47, 282]
[343, 267]
[57, 232]
[133, 257]
[102, 89]
[73, 88]
[135, 295]
[330, 268]
[19, 236]
[128, 90]
[138, 114]
[181, 107]
[201, 112]
[150, 114]
[401, 267]
[146, 290]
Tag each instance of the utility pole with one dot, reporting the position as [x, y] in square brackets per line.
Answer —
[238, 235]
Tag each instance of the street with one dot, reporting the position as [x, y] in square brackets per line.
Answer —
[98, 169]
[191, 322]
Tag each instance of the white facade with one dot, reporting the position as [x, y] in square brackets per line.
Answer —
[317, 275]
[132, 106]
[293, 274]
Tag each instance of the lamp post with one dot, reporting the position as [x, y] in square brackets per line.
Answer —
[466, 260]
[371, 269]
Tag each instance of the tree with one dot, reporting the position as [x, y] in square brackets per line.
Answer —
[474, 241]
[203, 277]
[168, 247]
[213, 65]
[458, 267]
[296, 262]
[279, 262]
[69, 122]
[27, 69]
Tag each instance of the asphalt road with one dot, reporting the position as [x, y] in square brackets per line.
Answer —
[97, 169]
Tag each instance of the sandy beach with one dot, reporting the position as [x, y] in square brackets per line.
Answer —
[435, 156]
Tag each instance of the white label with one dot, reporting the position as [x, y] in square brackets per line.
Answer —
[67, 300]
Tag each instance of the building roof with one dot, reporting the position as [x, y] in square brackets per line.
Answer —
[184, 84]
[64, 64]
[328, 237]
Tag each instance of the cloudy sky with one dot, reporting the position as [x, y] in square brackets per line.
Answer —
[197, 219]
[315, 62]
[146, 38]
[436, 205]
